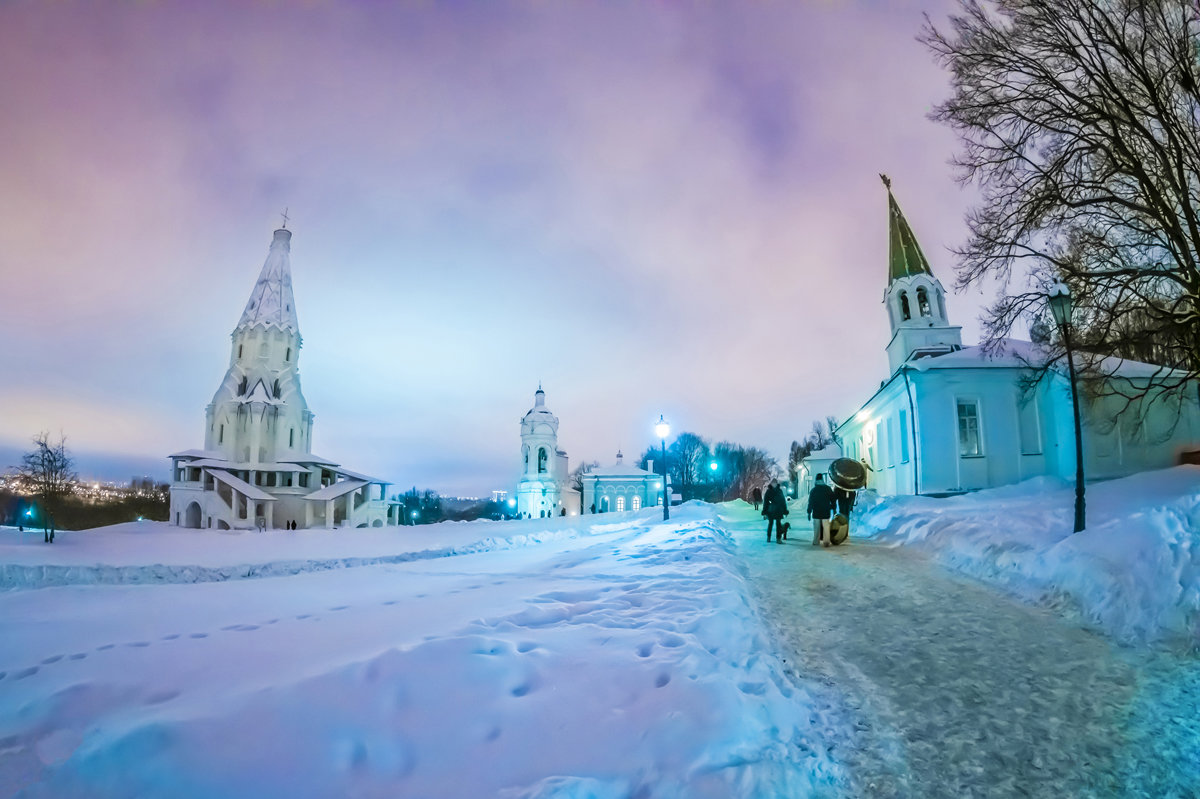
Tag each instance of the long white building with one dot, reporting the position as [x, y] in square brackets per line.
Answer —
[952, 418]
[257, 468]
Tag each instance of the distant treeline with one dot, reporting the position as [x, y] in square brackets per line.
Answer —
[76, 514]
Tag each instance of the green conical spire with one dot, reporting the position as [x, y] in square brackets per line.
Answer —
[904, 254]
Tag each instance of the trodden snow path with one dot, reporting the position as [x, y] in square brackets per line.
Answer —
[957, 690]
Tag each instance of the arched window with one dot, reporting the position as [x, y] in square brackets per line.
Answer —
[242, 387]
[923, 301]
[905, 313]
[263, 350]
[620, 504]
[541, 460]
[637, 503]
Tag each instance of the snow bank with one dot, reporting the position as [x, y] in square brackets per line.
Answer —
[1134, 572]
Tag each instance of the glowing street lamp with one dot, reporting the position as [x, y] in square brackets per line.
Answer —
[663, 430]
[1059, 298]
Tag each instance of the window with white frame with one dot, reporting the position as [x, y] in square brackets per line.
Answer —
[904, 436]
[636, 503]
[620, 504]
[969, 442]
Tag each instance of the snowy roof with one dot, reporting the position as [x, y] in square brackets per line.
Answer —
[364, 477]
[310, 458]
[198, 453]
[335, 490]
[1015, 353]
[619, 470]
[271, 303]
[830, 452]
[242, 486]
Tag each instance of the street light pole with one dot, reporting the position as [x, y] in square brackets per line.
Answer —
[1060, 307]
[664, 430]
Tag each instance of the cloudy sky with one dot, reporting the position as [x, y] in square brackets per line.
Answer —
[648, 207]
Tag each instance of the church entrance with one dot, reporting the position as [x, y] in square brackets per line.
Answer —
[191, 516]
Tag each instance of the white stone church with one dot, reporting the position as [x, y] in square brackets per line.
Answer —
[543, 489]
[257, 468]
[950, 418]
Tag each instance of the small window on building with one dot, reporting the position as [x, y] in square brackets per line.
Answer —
[275, 389]
[291, 437]
[636, 503]
[620, 504]
[969, 443]
[304, 479]
[905, 313]
[904, 436]
[923, 301]
[239, 352]
[242, 387]
[541, 460]
[221, 435]
[263, 350]
[288, 356]
[1030, 428]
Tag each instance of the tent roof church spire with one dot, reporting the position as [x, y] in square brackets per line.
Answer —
[904, 254]
[271, 303]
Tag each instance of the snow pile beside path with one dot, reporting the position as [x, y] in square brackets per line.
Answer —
[626, 661]
[1134, 572]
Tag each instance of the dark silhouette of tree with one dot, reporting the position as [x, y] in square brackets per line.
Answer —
[1080, 126]
[48, 472]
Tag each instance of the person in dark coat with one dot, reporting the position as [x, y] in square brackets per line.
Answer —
[756, 497]
[775, 508]
[845, 503]
[821, 503]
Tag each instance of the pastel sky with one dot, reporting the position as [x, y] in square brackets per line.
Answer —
[650, 208]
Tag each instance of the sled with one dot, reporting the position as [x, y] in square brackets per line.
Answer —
[848, 474]
[839, 529]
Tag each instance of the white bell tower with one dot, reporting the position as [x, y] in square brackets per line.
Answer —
[540, 487]
[915, 299]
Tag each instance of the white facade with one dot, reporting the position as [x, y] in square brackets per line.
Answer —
[816, 463]
[621, 488]
[953, 418]
[542, 490]
[257, 468]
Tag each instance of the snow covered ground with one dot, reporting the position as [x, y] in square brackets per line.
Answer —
[556, 658]
[1134, 571]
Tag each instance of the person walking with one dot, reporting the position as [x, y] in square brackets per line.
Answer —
[821, 503]
[845, 503]
[756, 497]
[775, 508]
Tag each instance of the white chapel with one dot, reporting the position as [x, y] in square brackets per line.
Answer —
[257, 468]
[951, 418]
[543, 489]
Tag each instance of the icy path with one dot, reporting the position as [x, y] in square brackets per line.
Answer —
[960, 691]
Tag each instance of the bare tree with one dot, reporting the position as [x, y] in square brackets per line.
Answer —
[49, 473]
[1080, 125]
[575, 479]
[687, 459]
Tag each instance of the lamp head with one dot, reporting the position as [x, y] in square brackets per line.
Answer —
[1059, 297]
[662, 428]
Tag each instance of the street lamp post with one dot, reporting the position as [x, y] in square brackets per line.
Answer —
[663, 429]
[1060, 306]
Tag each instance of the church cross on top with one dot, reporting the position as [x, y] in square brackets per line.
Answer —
[285, 218]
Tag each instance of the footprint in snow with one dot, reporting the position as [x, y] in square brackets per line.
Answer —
[198, 635]
[662, 680]
[52, 659]
[644, 650]
[105, 646]
[340, 607]
[138, 644]
[170, 637]
[78, 656]
[23, 673]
